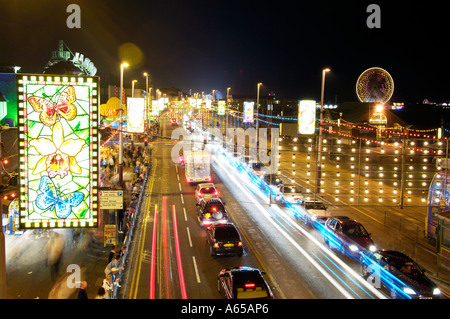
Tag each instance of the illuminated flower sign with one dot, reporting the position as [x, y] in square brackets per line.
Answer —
[59, 155]
[58, 149]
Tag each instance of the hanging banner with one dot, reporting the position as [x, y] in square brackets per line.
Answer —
[221, 108]
[135, 114]
[248, 112]
[306, 117]
[58, 151]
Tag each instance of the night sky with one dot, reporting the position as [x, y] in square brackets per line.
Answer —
[206, 45]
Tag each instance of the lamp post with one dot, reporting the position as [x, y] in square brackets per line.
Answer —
[257, 108]
[226, 110]
[122, 66]
[147, 107]
[319, 144]
[132, 87]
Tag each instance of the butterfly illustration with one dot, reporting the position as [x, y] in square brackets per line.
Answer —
[49, 198]
[50, 110]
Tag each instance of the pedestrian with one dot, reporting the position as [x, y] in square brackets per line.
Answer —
[108, 286]
[120, 218]
[113, 264]
[126, 225]
[55, 248]
[82, 294]
[115, 276]
[111, 254]
[122, 251]
[101, 293]
[111, 163]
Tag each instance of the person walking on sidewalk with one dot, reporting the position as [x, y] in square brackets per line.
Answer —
[82, 294]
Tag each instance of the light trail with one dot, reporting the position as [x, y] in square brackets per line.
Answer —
[177, 248]
[153, 258]
[244, 181]
[165, 251]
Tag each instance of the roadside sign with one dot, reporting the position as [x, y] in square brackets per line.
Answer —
[111, 199]
[109, 235]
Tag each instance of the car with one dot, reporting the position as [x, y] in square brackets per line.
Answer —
[409, 279]
[316, 211]
[211, 211]
[289, 193]
[224, 239]
[206, 190]
[243, 283]
[347, 235]
[245, 160]
[257, 168]
[272, 180]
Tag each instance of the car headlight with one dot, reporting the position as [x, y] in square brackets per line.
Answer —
[436, 291]
[409, 291]
[372, 248]
[353, 248]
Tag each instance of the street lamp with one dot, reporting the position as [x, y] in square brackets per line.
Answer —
[147, 106]
[319, 144]
[257, 107]
[122, 66]
[132, 87]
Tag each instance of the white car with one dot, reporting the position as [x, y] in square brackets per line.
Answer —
[289, 193]
[206, 191]
[316, 210]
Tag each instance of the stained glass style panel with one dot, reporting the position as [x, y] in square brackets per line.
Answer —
[58, 151]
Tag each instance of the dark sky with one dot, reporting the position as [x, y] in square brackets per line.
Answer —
[206, 45]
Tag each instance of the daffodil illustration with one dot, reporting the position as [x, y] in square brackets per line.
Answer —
[58, 153]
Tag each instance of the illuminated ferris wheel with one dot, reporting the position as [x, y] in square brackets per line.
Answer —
[375, 85]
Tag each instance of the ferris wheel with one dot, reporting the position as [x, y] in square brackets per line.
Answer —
[375, 85]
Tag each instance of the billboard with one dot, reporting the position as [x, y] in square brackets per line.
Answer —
[135, 114]
[248, 112]
[58, 150]
[306, 116]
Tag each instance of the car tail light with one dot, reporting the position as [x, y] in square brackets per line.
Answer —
[214, 209]
[216, 245]
[208, 178]
[216, 193]
[239, 244]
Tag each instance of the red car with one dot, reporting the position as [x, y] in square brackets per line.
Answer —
[347, 235]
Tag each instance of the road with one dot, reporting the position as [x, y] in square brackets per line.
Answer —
[171, 256]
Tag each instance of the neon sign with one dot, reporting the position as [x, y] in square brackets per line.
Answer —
[58, 151]
[84, 64]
